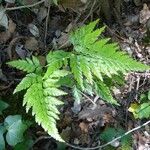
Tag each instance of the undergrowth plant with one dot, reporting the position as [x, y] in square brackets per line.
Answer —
[111, 133]
[142, 109]
[12, 130]
[93, 63]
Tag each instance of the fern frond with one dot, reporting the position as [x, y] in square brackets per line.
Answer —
[106, 55]
[53, 66]
[55, 61]
[76, 70]
[85, 67]
[27, 82]
[85, 35]
[103, 91]
[95, 57]
[28, 65]
[53, 92]
[45, 113]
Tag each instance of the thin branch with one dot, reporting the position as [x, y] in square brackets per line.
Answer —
[46, 26]
[88, 98]
[25, 6]
[100, 146]
[118, 138]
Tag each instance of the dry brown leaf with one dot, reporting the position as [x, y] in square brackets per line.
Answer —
[5, 36]
[42, 13]
[12, 26]
[107, 118]
[66, 120]
[84, 139]
[66, 133]
[94, 114]
[71, 4]
[144, 14]
[84, 127]
[31, 44]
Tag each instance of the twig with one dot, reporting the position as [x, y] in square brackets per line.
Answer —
[118, 138]
[25, 6]
[100, 146]
[88, 98]
[91, 11]
[46, 26]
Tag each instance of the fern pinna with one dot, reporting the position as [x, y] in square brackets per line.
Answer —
[92, 62]
[41, 93]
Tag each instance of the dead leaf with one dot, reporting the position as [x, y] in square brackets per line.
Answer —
[21, 51]
[84, 127]
[5, 36]
[3, 17]
[66, 120]
[42, 60]
[31, 44]
[12, 26]
[94, 114]
[71, 4]
[144, 14]
[42, 14]
[33, 29]
[84, 139]
[65, 134]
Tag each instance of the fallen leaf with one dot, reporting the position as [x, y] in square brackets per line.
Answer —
[65, 134]
[5, 36]
[84, 127]
[12, 26]
[33, 29]
[3, 17]
[20, 51]
[144, 14]
[42, 14]
[94, 114]
[31, 44]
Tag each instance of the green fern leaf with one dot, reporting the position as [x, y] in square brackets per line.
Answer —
[76, 70]
[40, 104]
[53, 92]
[81, 36]
[27, 82]
[27, 65]
[95, 57]
[59, 74]
[107, 56]
[103, 91]
[96, 70]
[84, 64]
[55, 61]
[55, 65]
[57, 55]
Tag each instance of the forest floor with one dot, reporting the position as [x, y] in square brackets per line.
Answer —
[39, 29]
